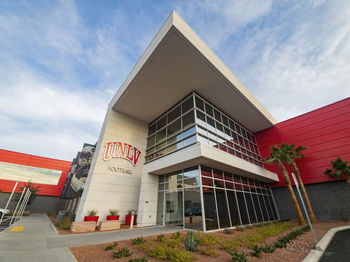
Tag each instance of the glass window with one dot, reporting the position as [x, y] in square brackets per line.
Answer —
[211, 219]
[199, 103]
[187, 105]
[174, 127]
[193, 209]
[191, 182]
[188, 132]
[151, 141]
[217, 115]
[161, 123]
[160, 135]
[217, 174]
[189, 141]
[242, 208]
[207, 181]
[187, 119]
[209, 109]
[257, 208]
[221, 202]
[232, 125]
[273, 207]
[159, 146]
[202, 139]
[263, 207]
[176, 112]
[173, 147]
[234, 212]
[228, 176]
[200, 119]
[268, 210]
[160, 206]
[152, 129]
[250, 206]
[211, 124]
[191, 172]
[206, 171]
[224, 120]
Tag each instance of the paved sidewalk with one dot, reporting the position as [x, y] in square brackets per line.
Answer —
[31, 243]
[105, 237]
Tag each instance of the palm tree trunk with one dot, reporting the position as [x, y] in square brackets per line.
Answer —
[300, 216]
[307, 200]
[348, 179]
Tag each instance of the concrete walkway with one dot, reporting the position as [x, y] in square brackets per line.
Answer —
[39, 240]
[31, 243]
[105, 237]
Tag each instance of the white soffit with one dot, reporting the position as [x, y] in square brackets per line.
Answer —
[177, 62]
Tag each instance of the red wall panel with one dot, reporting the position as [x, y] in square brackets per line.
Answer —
[35, 161]
[325, 132]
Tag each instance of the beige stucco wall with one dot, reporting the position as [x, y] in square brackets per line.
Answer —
[106, 189]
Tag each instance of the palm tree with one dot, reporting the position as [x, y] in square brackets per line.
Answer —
[293, 153]
[278, 156]
[339, 168]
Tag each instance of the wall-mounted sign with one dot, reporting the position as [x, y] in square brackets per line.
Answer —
[119, 170]
[121, 150]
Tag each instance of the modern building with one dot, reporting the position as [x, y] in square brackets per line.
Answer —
[182, 142]
[48, 174]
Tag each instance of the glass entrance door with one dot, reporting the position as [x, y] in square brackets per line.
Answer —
[173, 209]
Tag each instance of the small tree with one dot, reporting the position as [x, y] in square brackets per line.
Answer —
[293, 153]
[278, 156]
[33, 188]
[339, 169]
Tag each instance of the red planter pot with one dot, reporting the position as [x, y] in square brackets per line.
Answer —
[128, 220]
[112, 217]
[91, 218]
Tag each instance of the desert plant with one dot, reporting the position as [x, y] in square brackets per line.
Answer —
[278, 156]
[339, 168]
[29, 186]
[267, 249]
[180, 255]
[92, 212]
[229, 245]
[160, 238]
[239, 229]
[208, 251]
[138, 241]
[256, 251]
[227, 231]
[113, 212]
[111, 246]
[206, 239]
[238, 257]
[191, 242]
[293, 153]
[64, 223]
[175, 235]
[141, 259]
[157, 251]
[122, 252]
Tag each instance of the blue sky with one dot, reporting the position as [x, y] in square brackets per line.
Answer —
[62, 61]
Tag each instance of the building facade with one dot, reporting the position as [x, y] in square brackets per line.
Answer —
[177, 144]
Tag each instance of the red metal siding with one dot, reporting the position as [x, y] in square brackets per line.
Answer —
[325, 132]
[35, 161]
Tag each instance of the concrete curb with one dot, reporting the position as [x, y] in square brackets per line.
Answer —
[321, 246]
[52, 225]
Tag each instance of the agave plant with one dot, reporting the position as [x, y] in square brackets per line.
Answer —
[191, 242]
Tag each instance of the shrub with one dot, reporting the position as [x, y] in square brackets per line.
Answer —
[240, 229]
[141, 259]
[113, 212]
[267, 249]
[206, 239]
[238, 257]
[227, 231]
[173, 243]
[191, 242]
[251, 239]
[157, 251]
[92, 212]
[208, 251]
[64, 223]
[111, 246]
[256, 251]
[228, 245]
[180, 255]
[122, 252]
[138, 241]
[176, 235]
[160, 238]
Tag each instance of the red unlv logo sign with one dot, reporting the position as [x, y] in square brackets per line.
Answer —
[121, 150]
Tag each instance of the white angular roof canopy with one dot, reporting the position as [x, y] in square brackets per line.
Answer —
[176, 63]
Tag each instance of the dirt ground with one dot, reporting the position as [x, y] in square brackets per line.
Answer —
[295, 251]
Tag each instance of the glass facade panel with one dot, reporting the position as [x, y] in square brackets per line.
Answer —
[242, 208]
[224, 218]
[234, 210]
[211, 219]
[251, 207]
[193, 209]
[160, 208]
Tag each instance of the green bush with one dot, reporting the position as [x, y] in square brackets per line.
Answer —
[111, 246]
[283, 242]
[138, 241]
[180, 255]
[160, 238]
[122, 252]
[208, 251]
[191, 242]
[251, 239]
[141, 259]
[227, 231]
[176, 235]
[64, 223]
[238, 257]
[158, 251]
[229, 245]
[206, 239]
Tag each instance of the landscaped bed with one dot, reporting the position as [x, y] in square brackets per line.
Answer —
[216, 246]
